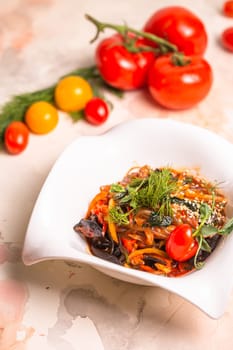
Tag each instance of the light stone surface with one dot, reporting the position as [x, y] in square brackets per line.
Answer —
[60, 305]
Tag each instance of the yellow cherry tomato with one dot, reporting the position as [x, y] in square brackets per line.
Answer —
[72, 93]
[41, 117]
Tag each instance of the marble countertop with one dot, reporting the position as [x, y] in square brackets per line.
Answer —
[60, 305]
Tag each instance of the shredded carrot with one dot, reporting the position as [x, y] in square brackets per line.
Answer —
[100, 196]
[156, 251]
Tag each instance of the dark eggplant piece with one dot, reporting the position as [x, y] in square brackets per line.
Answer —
[156, 220]
[101, 246]
[151, 260]
[106, 249]
[88, 228]
[213, 242]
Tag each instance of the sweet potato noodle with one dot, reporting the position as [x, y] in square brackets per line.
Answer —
[130, 222]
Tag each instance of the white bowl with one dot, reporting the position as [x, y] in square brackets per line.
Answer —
[92, 161]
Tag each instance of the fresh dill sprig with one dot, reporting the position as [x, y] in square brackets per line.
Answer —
[156, 195]
[153, 192]
[117, 216]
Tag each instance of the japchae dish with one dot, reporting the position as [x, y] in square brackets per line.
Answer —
[163, 221]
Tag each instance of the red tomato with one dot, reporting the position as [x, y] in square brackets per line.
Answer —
[181, 27]
[16, 137]
[120, 68]
[227, 39]
[228, 8]
[179, 87]
[181, 245]
[96, 111]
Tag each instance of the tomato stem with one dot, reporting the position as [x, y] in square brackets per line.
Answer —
[164, 45]
[178, 59]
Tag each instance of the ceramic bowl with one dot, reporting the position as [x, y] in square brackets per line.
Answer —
[92, 161]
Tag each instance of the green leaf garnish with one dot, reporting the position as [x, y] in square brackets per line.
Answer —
[205, 213]
[205, 245]
[208, 230]
[117, 188]
[227, 228]
[118, 216]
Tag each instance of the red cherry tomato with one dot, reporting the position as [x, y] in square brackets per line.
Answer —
[181, 245]
[179, 87]
[96, 111]
[181, 27]
[227, 39]
[16, 137]
[119, 67]
[228, 8]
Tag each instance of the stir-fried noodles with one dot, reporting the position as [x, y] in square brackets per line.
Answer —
[163, 221]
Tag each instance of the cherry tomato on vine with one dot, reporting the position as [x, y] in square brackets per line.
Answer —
[179, 26]
[228, 8]
[181, 245]
[227, 39]
[41, 117]
[121, 68]
[96, 111]
[179, 87]
[72, 93]
[16, 137]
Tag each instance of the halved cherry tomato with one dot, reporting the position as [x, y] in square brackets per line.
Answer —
[181, 27]
[16, 137]
[228, 8]
[179, 87]
[41, 117]
[96, 111]
[72, 93]
[227, 39]
[181, 245]
[121, 68]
